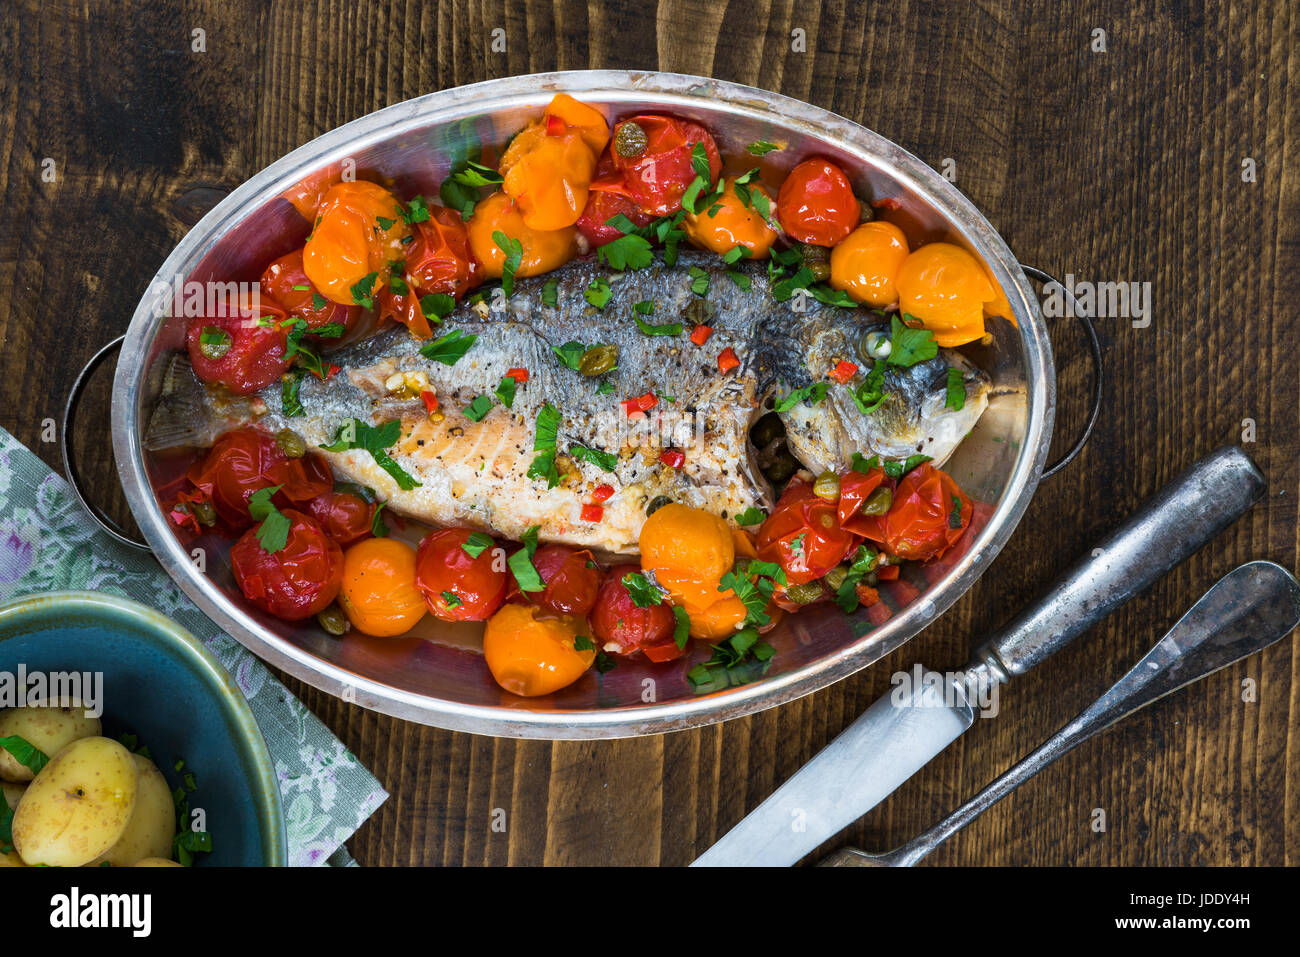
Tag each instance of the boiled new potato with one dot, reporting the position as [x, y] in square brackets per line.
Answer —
[50, 729]
[11, 860]
[153, 822]
[78, 806]
[155, 862]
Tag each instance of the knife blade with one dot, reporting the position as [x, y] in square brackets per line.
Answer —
[893, 739]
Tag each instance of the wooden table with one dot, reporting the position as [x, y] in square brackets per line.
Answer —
[1123, 165]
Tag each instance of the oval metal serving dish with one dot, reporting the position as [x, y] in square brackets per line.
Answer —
[441, 680]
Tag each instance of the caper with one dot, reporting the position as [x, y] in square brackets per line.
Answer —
[783, 465]
[204, 512]
[817, 259]
[598, 360]
[827, 486]
[821, 271]
[291, 443]
[766, 429]
[656, 503]
[804, 594]
[333, 621]
[214, 343]
[878, 502]
[866, 213]
[835, 577]
[630, 140]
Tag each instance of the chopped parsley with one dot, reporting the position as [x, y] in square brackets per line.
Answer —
[363, 290]
[437, 305]
[699, 281]
[681, 626]
[896, 469]
[551, 292]
[448, 349]
[544, 439]
[908, 346]
[751, 516]
[736, 661]
[290, 403]
[627, 252]
[514, 251]
[862, 465]
[605, 461]
[598, 292]
[809, 394]
[273, 532]
[355, 434]
[570, 354]
[506, 391]
[476, 544]
[521, 563]
[956, 389]
[478, 408]
[761, 147]
[25, 753]
[643, 592]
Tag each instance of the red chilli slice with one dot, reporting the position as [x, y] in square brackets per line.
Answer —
[593, 513]
[602, 493]
[843, 372]
[430, 401]
[700, 334]
[520, 375]
[673, 458]
[728, 360]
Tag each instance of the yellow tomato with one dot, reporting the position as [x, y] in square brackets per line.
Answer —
[543, 250]
[867, 261]
[378, 593]
[689, 550]
[348, 241]
[531, 653]
[547, 174]
[945, 287]
[734, 224]
[586, 119]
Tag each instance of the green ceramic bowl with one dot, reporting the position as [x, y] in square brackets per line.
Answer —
[161, 684]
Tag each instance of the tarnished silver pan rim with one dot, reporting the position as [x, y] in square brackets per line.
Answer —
[610, 87]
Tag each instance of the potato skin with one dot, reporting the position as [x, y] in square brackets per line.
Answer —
[50, 729]
[153, 822]
[11, 860]
[78, 806]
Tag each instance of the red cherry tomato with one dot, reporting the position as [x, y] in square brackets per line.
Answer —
[617, 620]
[244, 460]
[603, 205]
[929, 514]
[571, 579]
[803, 535]
[344, 517]
[286, 282]
[241, 353]
[439, 260]
[456, 585]
[855, 489]
[655, 178]
[298, 580]
[816, 204]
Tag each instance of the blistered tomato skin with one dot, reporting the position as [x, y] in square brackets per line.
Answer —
[531, 652]
[618, 622]
[298, 580]
[571, 579]
[656, 177]
[945, 287]
[603, 206]
[244, 460]
[286, 282]
[345, 517]
[543, 250]
[378, 592]
[438, 259]
[816, 203]
[929, 514]
[734, 224]
[689, 550]
[456, 585]
[358, 231]
[547, 173]
[866, 263]
[247, 350]
[803, 535]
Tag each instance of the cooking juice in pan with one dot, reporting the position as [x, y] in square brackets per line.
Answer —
[608, 400]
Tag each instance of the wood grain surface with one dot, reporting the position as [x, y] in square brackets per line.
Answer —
[1123, 165]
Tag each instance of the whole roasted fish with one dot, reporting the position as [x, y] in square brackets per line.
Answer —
[473, 457]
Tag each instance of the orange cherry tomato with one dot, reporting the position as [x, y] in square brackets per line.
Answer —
[306, 194]
[735, 224]
[586, 119]
[945, 287]
[543, 250]
[547, 169]
[359, 231]
[286, 282]
[458, 586]
[689, 550]
[378, 593]
[531, 653]
[438, 260]
[816, 203]
[867, 262]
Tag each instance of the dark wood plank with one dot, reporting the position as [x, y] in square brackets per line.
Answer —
[1123, 166]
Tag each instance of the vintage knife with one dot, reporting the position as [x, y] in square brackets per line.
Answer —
[890, 741]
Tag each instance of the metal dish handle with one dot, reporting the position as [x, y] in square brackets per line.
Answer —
[65, 449]
[1094, 347]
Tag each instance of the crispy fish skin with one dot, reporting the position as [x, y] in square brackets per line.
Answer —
[475, 473]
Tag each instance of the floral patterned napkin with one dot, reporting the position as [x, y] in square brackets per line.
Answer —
[47, 543]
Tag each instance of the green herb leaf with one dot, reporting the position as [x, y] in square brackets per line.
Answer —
[643, 592]
[521, 563]
[416, 211]
[908, 346]
[290, 403]
[363, 290]
[480, 406]
[811, 394]
[751, 516]
[761, 147]
[514, 251]
[450, 348]
[25, 753]
[664, 329]
[681, 626]
[437, 305]
[506, 391]
[605, 461]
[626, 252]
[863, 465]
[699, 281]
[551, 292]
[598, 292]
[570, 354]
[897, 469]
[318, 302]
[355, 434]
[476, 544]
[956, 389]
